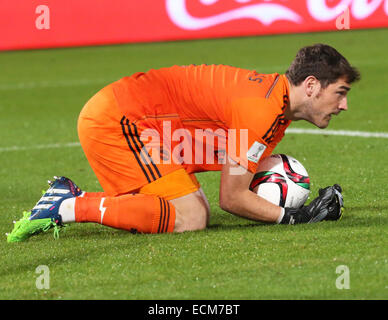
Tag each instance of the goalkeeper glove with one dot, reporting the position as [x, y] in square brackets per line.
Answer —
[337, 205]
[327, 206]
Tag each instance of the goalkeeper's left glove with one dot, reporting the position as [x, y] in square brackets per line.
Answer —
[336, 206]
[327, 206]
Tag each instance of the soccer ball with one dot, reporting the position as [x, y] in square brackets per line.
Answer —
[282, 180]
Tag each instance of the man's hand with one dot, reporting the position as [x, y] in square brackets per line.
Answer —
[327, 206]
[337, 205]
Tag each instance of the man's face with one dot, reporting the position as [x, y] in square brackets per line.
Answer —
[328, 101]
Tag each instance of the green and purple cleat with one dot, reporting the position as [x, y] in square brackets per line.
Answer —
[44, 215]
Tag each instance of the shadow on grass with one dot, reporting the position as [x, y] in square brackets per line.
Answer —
[353, 217]
[220, 226]
[367, 215]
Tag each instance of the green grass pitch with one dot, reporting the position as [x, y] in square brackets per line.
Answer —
[42, 93]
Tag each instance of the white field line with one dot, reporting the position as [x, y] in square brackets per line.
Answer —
[362, 134]
[41, 146]
[347, 133]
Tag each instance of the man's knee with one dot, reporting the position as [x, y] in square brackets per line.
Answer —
[191, 221]
[191, 212]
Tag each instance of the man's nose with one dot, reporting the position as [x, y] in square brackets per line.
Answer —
[344, 104]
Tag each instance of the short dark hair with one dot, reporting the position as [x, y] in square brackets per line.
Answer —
[323, 62]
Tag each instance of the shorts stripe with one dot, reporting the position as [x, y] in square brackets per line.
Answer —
[145, 151]
[133, 150]
[139, 150]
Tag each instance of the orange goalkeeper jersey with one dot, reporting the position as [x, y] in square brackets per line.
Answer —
[214, 109]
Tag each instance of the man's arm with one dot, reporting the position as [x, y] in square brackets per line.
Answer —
[236, 198]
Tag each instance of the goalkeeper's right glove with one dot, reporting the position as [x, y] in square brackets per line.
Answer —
[327, 206]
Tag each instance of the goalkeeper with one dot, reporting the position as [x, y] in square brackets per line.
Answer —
[140, 136]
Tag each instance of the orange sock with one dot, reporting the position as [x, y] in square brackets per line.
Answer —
[133, 212]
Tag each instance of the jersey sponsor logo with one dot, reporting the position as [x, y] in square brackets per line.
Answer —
[256, 151]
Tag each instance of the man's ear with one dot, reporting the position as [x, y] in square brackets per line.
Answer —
[311, 85]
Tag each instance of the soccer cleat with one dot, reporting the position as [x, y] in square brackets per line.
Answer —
[44, 215]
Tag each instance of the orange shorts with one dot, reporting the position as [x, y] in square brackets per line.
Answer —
[116, 153]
